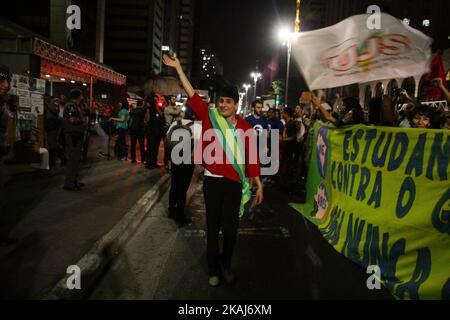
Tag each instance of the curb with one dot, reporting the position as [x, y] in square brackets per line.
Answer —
[93, 263]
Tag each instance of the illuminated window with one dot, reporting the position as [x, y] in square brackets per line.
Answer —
[426, 23]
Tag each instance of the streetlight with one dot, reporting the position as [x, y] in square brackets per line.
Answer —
[286, 36]
[256, 76]
[246, 87]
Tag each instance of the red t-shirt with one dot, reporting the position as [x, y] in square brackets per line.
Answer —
[252, 167]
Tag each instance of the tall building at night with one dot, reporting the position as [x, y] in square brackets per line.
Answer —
[186, 35]
[312, 14]
[48, 19]
[171, 27]
[134, 37]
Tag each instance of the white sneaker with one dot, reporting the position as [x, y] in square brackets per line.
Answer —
[214, 281]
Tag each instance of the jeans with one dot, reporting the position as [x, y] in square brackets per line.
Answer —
[104, 144]
[123, 149]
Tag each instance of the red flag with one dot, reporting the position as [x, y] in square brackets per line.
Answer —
[437, 71]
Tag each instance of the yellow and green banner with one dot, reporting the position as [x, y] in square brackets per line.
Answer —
[381, 197]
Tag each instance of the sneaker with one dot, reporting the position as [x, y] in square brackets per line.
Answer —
[228, 275]
[101, 154]
[123, 159]
[214, 281]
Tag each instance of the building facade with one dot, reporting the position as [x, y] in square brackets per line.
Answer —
[134, 37]
[186, 35]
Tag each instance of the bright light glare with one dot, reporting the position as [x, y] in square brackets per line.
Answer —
[284, 34]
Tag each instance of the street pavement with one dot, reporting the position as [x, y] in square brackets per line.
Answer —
[279, 255]
[54, 228]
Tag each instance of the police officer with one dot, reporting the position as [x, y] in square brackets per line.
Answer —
[75, 127]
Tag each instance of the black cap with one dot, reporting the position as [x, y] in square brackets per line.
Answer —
[5, 74]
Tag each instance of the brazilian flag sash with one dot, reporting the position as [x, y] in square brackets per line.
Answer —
[234, 150]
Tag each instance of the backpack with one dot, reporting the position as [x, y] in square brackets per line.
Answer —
[136, 122]
[170, 143]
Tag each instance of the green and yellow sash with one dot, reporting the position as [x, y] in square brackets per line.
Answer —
[234, 150]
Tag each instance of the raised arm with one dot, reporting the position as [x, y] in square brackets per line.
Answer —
[318, 105]
[175, 63]
[441, 86]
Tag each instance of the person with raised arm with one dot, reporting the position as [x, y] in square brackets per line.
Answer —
[226, 186]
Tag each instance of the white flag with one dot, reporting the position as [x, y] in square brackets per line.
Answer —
[349, 52]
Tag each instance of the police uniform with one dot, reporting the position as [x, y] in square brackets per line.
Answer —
[74, 134]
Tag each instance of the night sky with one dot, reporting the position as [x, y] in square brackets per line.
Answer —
[243, 32]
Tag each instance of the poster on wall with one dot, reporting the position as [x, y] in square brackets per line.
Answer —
[20, 82]
[30, 93]
[40, 86]
[36, 85]
[37, 103]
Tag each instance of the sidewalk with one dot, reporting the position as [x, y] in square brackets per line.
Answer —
[56, 228]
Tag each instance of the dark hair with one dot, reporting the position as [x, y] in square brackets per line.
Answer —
[288, 111]
[434, 116]
[278, 113]
[140, 103]
[375, 106]
[351, 103]
[254, 103]
[124, 102]
[75, 94]
[230, 92]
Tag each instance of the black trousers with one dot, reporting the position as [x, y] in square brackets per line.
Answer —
[134, 137]
[75, 149]
[153, 142]
[222, 201]
[52, 145]
[180, 181]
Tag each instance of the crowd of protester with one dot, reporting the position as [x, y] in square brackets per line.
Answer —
[295, 125]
